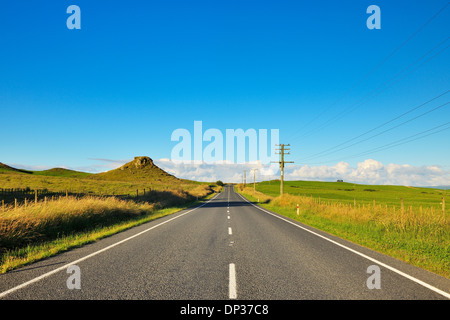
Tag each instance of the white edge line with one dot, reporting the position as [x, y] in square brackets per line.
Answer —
[439, 291]
[45, 275]
[232, 282]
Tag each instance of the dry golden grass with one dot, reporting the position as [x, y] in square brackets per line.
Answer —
[47, 220]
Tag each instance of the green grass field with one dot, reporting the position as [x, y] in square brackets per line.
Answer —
[88, 185]
[363, 194]
[418, 234]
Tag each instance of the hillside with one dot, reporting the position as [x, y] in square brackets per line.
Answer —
[62, 172]
[140, 169]
[8, 169]
[55, 172]
[139, 174]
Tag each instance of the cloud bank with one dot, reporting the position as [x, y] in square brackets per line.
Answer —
[366, 172]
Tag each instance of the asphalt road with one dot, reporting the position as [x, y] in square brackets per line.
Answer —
[225, 249]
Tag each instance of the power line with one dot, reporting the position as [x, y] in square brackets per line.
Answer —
[324, 153]
[367, 97]
[395, 143]
[377, 66]
[379, 126]
[404, 140]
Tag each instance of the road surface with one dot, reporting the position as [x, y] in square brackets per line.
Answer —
[225, 249]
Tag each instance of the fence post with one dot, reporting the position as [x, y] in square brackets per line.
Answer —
[15, 203]
[443, 207]
[35, 196]
[402, 207]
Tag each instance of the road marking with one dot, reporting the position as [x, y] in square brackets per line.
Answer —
[426, 285]
[232, 293]
[229, 231]
[228, 217]
[45, 275]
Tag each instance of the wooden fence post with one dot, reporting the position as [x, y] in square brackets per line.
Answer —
[443, 207]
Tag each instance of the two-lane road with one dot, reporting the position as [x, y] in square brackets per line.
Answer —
[227, 248]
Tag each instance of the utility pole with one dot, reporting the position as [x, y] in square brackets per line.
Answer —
[254, 180]
[245, 179]
[282, 152]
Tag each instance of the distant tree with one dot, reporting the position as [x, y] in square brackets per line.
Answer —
[219, 183]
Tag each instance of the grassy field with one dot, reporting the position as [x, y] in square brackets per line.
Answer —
[344, 192]
[38, 231]
[88, 185]
[95, 206]
[418, 234]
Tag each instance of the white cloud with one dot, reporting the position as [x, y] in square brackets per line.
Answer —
[366, 172]
[222, 170]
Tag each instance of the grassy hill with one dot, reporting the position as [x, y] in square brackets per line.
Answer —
[139, 174]
[140, 169]
[7, 169]
[62, 172]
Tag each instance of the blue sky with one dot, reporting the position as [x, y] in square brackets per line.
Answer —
[138, 70]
